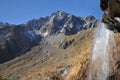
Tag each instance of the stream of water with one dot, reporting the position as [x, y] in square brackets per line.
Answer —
[99, 67]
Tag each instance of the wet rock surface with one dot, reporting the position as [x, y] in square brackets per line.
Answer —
[111, 14]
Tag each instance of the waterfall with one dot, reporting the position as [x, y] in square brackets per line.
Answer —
[99, 67]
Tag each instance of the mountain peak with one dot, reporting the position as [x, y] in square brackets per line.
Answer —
[60, 13]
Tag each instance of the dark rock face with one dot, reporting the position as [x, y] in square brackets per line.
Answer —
[111, 16]
[52, 78]
[35, 24]
[15, 40]
[66, 44]
[4, 24]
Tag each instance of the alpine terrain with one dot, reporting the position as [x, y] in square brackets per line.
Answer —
[57, 47]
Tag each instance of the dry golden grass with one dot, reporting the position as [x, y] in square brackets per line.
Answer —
[75, 55]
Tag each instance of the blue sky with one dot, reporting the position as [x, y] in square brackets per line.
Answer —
[20, 11]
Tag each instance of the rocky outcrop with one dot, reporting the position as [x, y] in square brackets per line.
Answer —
[4, 24]
[35, 24]
[66, 44]
[111, 14]
[15, 40]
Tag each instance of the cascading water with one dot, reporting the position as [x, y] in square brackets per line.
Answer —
[99, 65]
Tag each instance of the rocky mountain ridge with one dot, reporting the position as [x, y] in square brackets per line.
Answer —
[17, 39]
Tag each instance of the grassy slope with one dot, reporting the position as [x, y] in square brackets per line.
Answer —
[46, 59]
[76, 56]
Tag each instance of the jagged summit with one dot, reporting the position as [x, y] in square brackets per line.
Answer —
[59, 12]
[4, 24]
